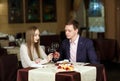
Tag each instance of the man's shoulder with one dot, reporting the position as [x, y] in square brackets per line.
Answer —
[65, 40]
[84, 39]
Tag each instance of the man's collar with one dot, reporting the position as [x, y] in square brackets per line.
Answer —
[76, 40]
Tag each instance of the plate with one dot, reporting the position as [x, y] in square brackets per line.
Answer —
[38, 66]
[63, 61]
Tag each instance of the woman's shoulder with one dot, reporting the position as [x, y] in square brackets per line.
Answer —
[42, 47]
[23, 48]
[23, 45]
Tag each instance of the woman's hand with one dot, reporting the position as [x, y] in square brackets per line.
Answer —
[37, 60]
[50, 56]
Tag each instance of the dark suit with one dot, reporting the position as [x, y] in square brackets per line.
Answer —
[85, 51]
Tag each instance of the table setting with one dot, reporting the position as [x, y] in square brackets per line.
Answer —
[87, 73]
[51, 72]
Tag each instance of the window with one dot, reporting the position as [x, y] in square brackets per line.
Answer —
[94, 8]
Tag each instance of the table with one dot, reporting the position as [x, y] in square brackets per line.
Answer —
[87, 73]
[14, 50]
[22, 74]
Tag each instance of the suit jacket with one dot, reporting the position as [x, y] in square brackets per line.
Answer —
[85, 51]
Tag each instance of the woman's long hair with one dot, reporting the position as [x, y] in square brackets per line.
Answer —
[30, 41]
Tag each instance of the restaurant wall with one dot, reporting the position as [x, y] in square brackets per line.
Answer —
[110, 19]
[54, 27]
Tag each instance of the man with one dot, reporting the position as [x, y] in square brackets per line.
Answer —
[76, 48]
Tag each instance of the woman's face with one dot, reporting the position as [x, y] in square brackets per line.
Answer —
[36, 36]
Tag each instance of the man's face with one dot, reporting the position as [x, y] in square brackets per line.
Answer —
[70, 32]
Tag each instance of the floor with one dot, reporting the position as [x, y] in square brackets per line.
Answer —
[112, 71]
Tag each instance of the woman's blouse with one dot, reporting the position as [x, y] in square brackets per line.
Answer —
[25, 59]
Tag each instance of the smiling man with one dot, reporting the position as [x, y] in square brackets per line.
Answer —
[77, 48]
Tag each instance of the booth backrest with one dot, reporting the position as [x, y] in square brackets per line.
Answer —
[106, 49]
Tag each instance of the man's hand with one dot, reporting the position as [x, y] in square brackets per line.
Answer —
[56, 55]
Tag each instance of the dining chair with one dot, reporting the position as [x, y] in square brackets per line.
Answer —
[106, 49]
[8, 67]
[3, 51]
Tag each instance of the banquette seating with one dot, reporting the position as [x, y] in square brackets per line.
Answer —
[106, 49]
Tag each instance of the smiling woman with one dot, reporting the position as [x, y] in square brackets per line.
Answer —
[31, 53]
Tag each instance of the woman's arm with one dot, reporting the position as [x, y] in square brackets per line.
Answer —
[45, 58]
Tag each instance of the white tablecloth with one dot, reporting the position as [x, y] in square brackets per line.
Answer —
[88, 73]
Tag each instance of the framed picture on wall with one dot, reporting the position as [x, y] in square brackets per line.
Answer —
[15, 11]
[49, 11]
[32, 11]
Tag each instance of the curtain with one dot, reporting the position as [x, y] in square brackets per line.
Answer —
[76, 4]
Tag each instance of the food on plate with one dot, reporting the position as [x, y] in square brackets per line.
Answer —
[65, 67]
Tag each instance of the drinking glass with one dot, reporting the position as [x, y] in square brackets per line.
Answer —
[52, 49]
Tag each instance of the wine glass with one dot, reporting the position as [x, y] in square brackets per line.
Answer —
[52, 49]
[55, 46]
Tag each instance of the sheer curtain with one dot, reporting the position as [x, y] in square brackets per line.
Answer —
[78, 12]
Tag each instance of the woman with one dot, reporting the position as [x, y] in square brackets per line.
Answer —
[31, 53]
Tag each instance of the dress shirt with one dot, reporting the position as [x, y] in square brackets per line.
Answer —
[73, 49]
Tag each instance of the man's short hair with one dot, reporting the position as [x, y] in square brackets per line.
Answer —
[74, 23]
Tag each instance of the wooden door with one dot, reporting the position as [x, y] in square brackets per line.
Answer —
[118, 20]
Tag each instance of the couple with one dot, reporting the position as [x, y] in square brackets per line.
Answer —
[74, 48]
